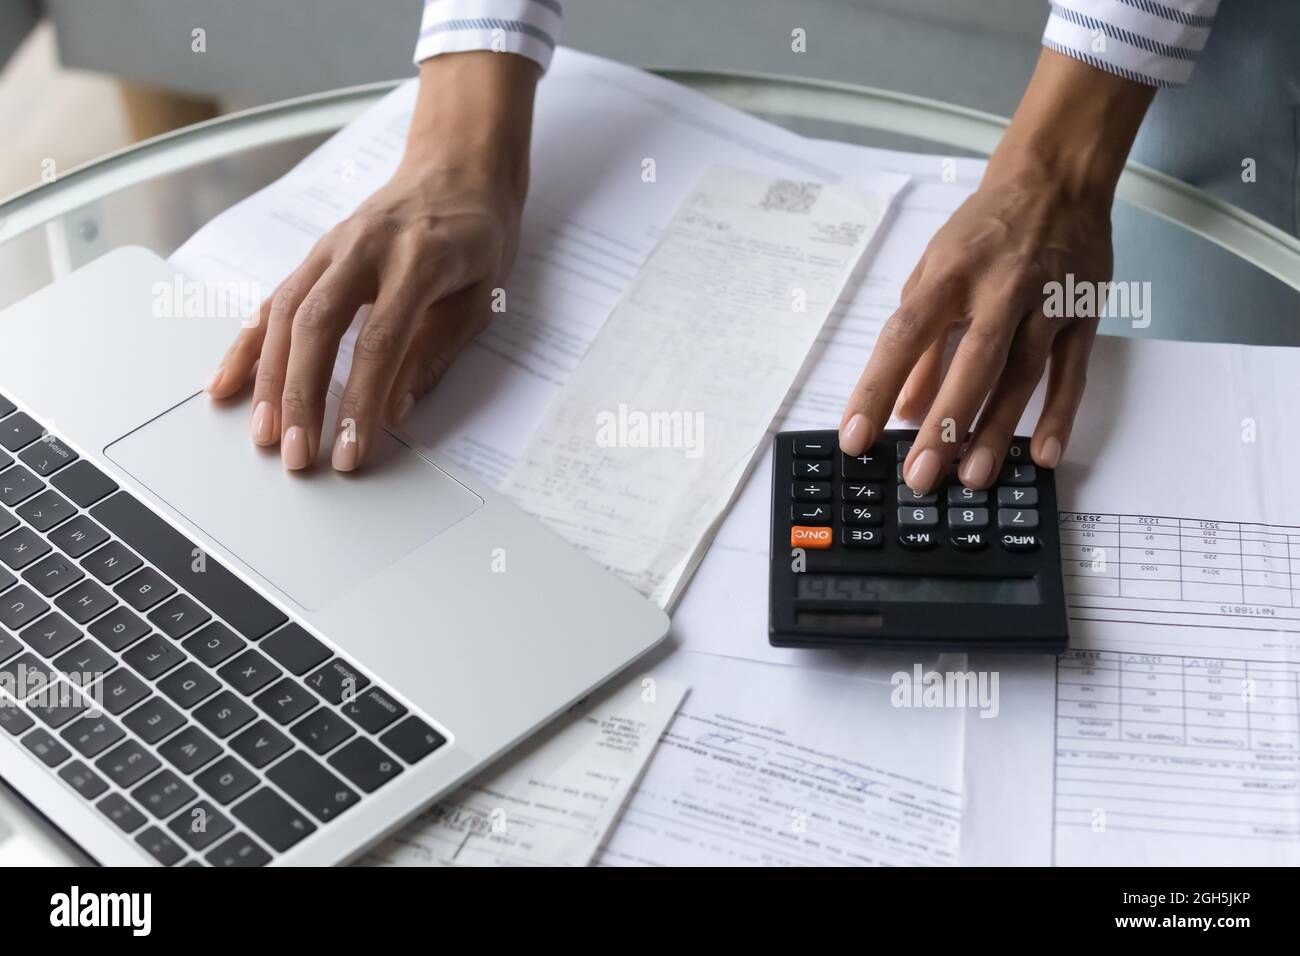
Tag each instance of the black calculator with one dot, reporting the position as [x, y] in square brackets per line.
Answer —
[859, 559]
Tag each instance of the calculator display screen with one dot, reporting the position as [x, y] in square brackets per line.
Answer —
[881, 588]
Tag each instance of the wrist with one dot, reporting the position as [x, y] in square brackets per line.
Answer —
[1072, 131]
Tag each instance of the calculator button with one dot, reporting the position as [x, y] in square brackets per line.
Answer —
[906, 496]
[811, 491]
[870, 464]
[903, 448]
[913, 517]
[959, 497]
[813, 448]
[1017, 497]
[801, 537]
[969, 541]
[968, 517]
[1013, 519]
[1020, 542]
[812, 468]
[859, 494]
[1013, 474]
[859, 515]
[862, 537]
[1018, 451]
[810, 514]
[918, 540]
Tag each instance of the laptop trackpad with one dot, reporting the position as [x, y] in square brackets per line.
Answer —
[313, 534]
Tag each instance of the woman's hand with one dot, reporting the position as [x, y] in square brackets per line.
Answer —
[425, 250]
[1041, 213]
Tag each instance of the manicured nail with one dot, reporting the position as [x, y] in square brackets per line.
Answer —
[854, 436]
[924, 471]
[217, 378]
[403, 408]
[977, 469]
[293, 449]
[344, 456]
[263, 423]
[1051, 453]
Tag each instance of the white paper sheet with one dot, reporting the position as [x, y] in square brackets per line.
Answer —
[781, 766]
[553, 802]
[640, 453]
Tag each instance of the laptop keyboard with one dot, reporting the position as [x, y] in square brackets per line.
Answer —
[159, 687]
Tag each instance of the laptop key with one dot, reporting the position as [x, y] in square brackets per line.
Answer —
[17, 484]
[48, 456]
[337, 681]
[190, 750]
[314, 788]
[91, 736]
[112, 562]
[46, 510]
[57, 704]
[20, 606]
[273, 819]
[87, 661]
[120, 691]
[26, 674]
[78, 536]
[249, 672]
[85, 602]
[238, 850]
[163, 794]
[160, 846]
[365, 765]
[285, 701]
[19, 430]
[226, 780]
[51, 634]
[224, 714]
[153, 720]
[322, 730]
[21, 547]
[83, 780]
[260, 744]
[373, 710]
[118, 629]
[189, 685]
[178, 616]
[52, 574]
[201, 825]
[413, 739]
[83, 483]
[144, 589]
[154, 656]
[13, 718]
[294, 649]
[121, 811]
[225, 595]
[6, 407]
[9, 646]
[48, 750]
[7, 521]
[127, 764]
[214, 644]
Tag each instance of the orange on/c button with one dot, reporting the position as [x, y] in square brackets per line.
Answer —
[802, 536]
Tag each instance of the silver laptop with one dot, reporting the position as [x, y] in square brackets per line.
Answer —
[205, 659]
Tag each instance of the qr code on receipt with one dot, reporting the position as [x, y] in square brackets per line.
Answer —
[786, 195]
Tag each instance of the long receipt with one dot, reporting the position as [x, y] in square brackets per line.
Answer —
[555, 803]
[638, 457]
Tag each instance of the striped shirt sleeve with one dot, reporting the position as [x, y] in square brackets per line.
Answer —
[530, 28]
[1155, 42]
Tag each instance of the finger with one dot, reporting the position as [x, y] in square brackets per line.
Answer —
[271, 362]
[1065, 385]
[318, 325]
[1002, 412]
[238, 362]
[908, 333]
[450, 326]
[923, 383]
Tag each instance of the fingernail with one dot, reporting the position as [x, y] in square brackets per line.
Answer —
[404, 408]
[924, 470]
[977, 469]
[293, 449]
[263, 423]
[217, 376]
[344, 456]
[1051, 453]
[854, 436]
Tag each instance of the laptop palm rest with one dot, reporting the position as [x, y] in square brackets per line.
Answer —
[313, 534]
